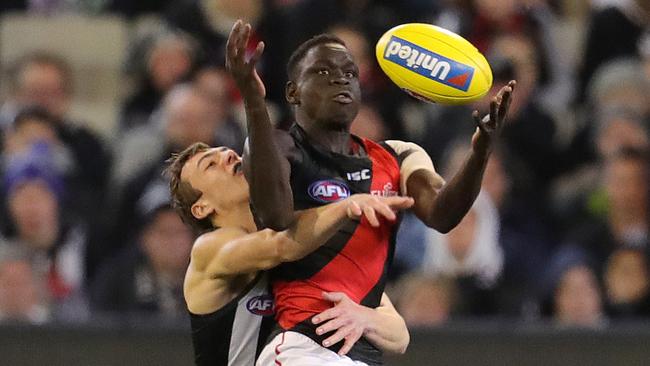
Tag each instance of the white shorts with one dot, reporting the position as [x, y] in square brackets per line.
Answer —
[295, 349]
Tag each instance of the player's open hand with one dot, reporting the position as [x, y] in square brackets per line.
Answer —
[491, 125]
[347, 319]
[242, 70]
[372, 207]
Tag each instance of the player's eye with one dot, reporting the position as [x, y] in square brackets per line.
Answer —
[350, 74]
[211, 164]
[323, 72]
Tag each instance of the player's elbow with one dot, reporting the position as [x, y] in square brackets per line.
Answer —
[400, 347]
[284, 248]
[402, 343]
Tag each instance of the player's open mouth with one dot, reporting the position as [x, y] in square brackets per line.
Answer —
[344, 97]
[236, 169]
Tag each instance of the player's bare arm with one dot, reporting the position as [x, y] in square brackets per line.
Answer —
[382, 326]
[443, 207]
[232, 251]
[270, 190]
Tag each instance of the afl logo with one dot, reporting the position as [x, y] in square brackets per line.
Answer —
[261, 305]
[327, 191]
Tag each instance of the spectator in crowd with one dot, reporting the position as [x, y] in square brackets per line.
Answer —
[168, 60]
[627, 283]
[619, 85]
[210, 21]
[615, 31]
[618, 118]
[577, 299]
[22, 295]
[33, 126]
[55, 247]
[472, 255]
[187, 115]
[147, 277]
[618, 212]
[45, 80]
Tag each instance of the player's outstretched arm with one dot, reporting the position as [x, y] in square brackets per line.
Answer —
[266, 168]
[442, 208]
[231, 251]
[382, 326]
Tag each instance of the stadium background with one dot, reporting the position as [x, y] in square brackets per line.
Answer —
[550, 266]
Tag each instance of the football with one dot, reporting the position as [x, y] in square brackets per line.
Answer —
[433, 64]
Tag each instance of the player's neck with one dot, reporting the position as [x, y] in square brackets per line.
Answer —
[239, 216]
[337, 141]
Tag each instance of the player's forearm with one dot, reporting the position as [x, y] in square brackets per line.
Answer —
[387, 331]
[313, 227]
[267, 176]
[455, 199]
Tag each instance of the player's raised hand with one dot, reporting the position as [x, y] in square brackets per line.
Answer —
[347, 319]
[371, 206]
[241, 69]
[490, 126]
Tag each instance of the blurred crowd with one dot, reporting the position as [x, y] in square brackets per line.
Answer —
[558, 233]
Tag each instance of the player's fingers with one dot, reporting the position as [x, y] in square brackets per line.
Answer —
[399, 202]
[477, 120]
[354, 210]
[505, 103]
[231, 44]
[243, 40]
[328, 314]
[370, 215]
[330, 326]
[340, 334]
[512, 84]
[258, 54]
[350, 340]
[384, 210]
[493, 113]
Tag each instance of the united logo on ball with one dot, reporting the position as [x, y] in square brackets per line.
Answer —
[434, 64]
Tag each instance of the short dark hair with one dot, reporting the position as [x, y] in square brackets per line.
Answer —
[182, 193]
[302, 50]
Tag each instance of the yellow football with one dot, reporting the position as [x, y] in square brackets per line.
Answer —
[433, 64]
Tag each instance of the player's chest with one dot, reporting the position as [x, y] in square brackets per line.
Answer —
[317, 182]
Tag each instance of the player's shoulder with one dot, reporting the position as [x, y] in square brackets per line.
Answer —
[400, 146]
[401, 149]
[207, 245]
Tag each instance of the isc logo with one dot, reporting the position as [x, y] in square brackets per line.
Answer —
[429, 64]
[328, 191]
[363, 174]
[261, 305]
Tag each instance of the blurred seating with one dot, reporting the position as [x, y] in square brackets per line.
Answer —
[95, 47]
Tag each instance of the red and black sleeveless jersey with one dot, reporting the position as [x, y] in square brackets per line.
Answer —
[356, 259]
